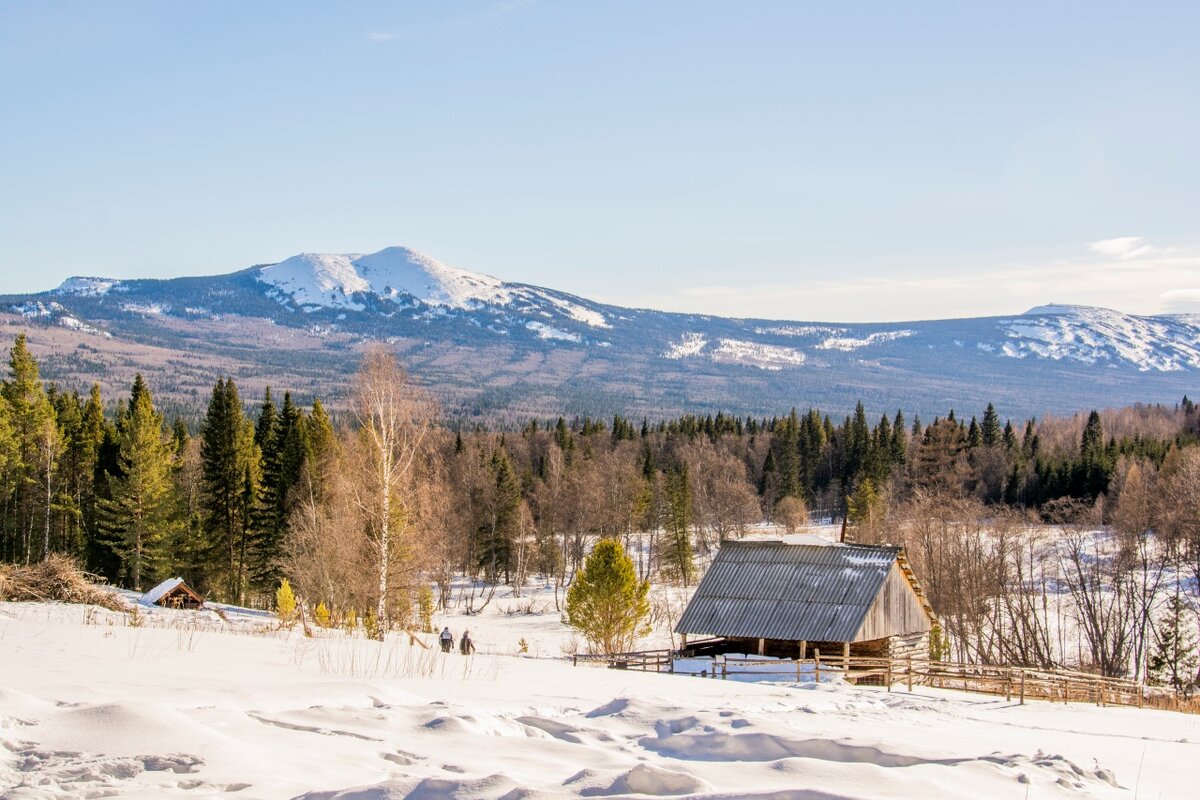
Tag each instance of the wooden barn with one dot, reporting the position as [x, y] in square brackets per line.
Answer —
[172, 593]
[779, 599]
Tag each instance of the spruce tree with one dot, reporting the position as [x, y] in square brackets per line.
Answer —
[37, 443]
[990, 429]
[137, 515]
[230, 471]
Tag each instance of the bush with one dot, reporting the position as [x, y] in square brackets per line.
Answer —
[321, 613]
[425, 608]
[285, 603]
[607, 603]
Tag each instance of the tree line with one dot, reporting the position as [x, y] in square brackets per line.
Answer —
[368, 513]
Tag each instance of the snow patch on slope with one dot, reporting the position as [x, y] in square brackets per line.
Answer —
[1099, 335]
[800, 330]
[848, 343]
[576, 311]
[689, 344]
[545, 331]
[756, 354]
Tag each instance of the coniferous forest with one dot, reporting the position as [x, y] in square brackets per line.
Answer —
[367, 512]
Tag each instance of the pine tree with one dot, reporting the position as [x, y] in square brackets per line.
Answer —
[607, 603]
[137, 516]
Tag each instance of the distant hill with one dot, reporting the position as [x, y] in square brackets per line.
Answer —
[490, 348]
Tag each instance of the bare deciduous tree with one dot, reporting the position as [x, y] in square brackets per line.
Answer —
[394, 422]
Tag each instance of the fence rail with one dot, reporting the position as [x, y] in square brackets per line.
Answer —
[1011, 682]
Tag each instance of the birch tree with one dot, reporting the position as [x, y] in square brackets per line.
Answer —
[394, 422]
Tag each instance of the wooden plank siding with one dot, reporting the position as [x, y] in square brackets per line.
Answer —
[896, 610]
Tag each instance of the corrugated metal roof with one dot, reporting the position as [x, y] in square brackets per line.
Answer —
[793, 592]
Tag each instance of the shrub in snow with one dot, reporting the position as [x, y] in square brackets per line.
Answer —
[321, 613]
[371, 626]
[425, 608]
[285, 603]
[607, 603]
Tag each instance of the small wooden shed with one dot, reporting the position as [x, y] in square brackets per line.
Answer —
[172, 593]
[779, 599]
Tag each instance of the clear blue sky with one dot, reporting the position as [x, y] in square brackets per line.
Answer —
[799, 160]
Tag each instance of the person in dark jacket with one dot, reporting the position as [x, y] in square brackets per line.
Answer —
[465, 645]
[446, 639]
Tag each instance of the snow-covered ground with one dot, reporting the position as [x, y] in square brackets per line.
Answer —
[190, 705]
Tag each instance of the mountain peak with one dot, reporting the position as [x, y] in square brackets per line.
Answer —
[334, 280]
[1065, 309]
[86, 286]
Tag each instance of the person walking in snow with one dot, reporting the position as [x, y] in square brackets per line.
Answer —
[447, 639]
[466, 646]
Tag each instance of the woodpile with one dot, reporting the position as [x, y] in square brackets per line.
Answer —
[56, 579]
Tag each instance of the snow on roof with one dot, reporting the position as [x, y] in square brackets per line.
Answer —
[158, 592]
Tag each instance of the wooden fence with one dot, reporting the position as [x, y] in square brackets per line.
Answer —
[1019, 683]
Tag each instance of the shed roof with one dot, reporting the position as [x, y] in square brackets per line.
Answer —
[165, 588]
[793, 592]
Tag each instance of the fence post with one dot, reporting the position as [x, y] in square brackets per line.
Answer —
[889, 674]
[1022, 687]
[910, 672]
[817, 664]
[797, 670]
[575, 659]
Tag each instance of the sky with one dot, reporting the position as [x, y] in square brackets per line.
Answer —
[831, 161]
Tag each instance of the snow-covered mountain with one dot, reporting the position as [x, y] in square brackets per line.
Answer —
[488, 345]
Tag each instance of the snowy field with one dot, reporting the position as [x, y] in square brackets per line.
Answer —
[189, 705]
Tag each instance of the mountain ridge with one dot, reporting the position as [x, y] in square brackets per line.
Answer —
[489, 346]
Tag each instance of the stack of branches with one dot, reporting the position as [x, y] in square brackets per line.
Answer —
[58, 578]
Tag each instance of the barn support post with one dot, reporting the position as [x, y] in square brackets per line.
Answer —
[845, 656]
[803, 649]
[762, 647]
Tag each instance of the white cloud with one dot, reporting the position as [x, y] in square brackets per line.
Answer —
[1181, 300]
[381, 36]
[1123, 247]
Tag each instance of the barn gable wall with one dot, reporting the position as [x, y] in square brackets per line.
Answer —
[896, 610]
